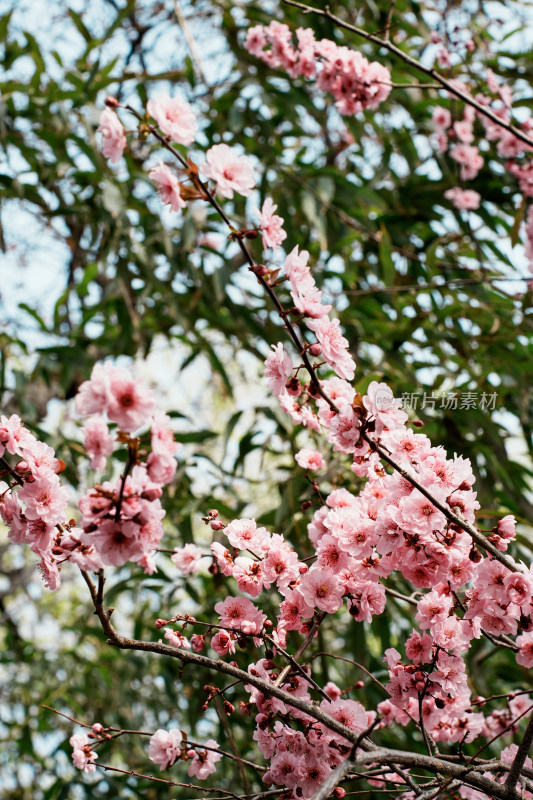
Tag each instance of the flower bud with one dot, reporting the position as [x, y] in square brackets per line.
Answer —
[197, 642]
[315, 349]
[293, 387]
[111, 102]
[216, 525]
[152, 494]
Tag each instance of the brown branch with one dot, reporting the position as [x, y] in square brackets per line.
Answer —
[11, 471]
[108, 767]
[520, 757]
[303, 647]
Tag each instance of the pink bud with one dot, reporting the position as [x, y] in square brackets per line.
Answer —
[197, 642]
[213, 512]
[22, 467]
[315, 349]
[302, 569]
[216, 526]
[160, 623]
[152, 494]
[111, 102]
[293, 387]
[98, 729]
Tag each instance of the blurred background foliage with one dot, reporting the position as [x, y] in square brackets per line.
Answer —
[431, 300]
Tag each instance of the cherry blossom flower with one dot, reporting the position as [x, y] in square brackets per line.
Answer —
[231, 173]
[188, 558]
[223, 642]
[130, 405]
[175, 117]
[309, 459]
[241, 614]
[113, 136]
[334, 346]
[244, 534]
[97, 441]
[270, 225]
[203, 762]
[278, 369]
[463, 199]
[82, 756]
[164, 747]
[322, 589]
[168, 186]
[525, 654]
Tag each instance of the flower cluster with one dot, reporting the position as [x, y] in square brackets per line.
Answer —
[355, 83]
[458, 137]
[123, 517]
[302, 762]
[166, 747]
[417, 520]
[34, 505]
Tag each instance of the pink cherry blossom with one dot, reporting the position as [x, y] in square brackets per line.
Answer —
[245, 535]
[188, 558]
[93, 395]
[278, 369]
[441, 117]
[97, 441]
[113, 136]
[175, 117]
[322, 589]
[241, 614]
[463, 199]
[168, 186]
[203, 762]
[270, 225]
[223, 642]
[469, 158]
[525, 654]
[13, 435]
[164, 747]
[334, 346]
[130, 405]
[177, 639]
[82, 756]
[309, 459]
[231, 173]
